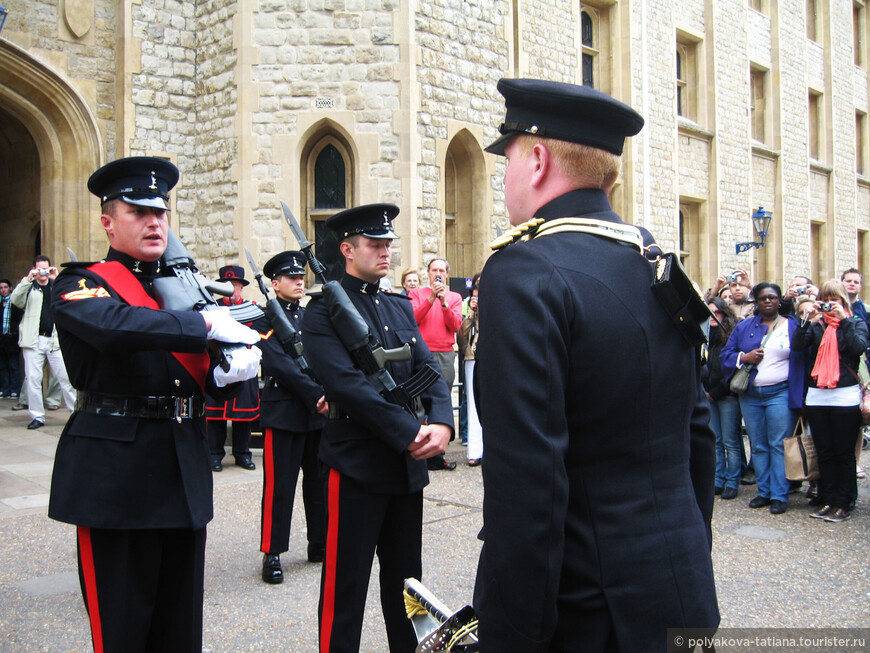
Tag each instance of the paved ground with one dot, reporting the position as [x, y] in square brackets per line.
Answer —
[771, 571]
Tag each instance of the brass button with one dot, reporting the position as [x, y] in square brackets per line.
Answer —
[177, 383]
[386, 328]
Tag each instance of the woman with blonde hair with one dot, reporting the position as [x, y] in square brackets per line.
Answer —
[834, 345]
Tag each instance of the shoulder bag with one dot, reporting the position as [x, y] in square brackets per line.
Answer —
[801, 461]
[740, 380]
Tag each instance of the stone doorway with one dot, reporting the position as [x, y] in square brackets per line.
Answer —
[50, 145]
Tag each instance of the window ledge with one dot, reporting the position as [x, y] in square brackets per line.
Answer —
[863, 181]
[760, 149]
[689, 127]
[818, 166]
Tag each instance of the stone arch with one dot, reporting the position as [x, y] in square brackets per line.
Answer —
[325, 136]
[54, 159]
[466, 221]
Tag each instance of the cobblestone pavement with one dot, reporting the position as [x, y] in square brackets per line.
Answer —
[771, 571]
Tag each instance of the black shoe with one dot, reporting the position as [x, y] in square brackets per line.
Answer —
[759, 502]
[35, 424]
[216, 465]
[729, 493]
[822, 512]
[778, 507]
[316, 553]
[795, 486]
[837, 516]
[749, 479]
[718, 490]
[437, 463]
[272, 572]
[245, 462]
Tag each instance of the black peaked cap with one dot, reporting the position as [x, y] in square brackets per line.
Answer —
[566, 112]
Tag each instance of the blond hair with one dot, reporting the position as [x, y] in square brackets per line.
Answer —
[834, 288]
[591, 166]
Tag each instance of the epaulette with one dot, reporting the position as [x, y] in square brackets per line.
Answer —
[78, 264]
[519, 233]
[621, 232]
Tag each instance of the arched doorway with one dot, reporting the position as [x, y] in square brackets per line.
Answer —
[466, 227]
[51, 145]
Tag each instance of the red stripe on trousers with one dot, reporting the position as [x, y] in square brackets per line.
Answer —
[268, 490]
[86, 552]
[328, 610]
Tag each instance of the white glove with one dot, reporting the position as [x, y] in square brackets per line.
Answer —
[244, 364]
[226, 329]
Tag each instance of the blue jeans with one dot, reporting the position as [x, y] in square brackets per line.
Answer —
[725, 422]
[769, 421]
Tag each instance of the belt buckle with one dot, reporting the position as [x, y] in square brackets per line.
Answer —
[182, 408]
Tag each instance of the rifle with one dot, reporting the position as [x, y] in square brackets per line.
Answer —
[188, 290]
[284, 330]
[366, 351]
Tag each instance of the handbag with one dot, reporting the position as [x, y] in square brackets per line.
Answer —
[864, 404]
[801, 461]
[739, 382]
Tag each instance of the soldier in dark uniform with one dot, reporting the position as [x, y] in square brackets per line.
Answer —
[132, 467]
[244, 407]
[375, 449]
[598, 478]
[292, 415]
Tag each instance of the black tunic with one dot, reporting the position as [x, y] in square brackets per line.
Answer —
[125, 472]
[371, 446]
[599, 462]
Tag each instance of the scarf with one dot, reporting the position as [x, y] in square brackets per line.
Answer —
[826, 371]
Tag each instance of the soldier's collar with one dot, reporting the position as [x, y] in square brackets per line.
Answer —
[288, 305]
[359, 285]
[144, 268]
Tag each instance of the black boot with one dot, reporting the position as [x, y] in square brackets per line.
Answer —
[272, 572]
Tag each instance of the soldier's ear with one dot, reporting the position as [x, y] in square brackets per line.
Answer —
[346, 249]
[106, 221]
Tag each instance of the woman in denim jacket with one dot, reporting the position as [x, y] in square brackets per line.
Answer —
[776, 389]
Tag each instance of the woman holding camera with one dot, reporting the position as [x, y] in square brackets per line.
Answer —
[834, 345]
[776, 389]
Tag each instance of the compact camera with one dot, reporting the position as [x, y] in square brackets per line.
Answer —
[43, 272]
[438, 279]
[825, 307]
[801, 290]
[732, 277]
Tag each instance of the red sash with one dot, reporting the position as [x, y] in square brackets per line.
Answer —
[122, 281]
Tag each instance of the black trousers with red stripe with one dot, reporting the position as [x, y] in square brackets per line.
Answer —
[143, 588]
[360, 524]
[284, 454]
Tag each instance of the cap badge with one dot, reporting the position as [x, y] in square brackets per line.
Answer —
[153, 185]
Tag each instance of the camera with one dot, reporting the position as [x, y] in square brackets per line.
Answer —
[801, 290]
[825, 307]
[732, 277]
[438, 279]
[43, 272]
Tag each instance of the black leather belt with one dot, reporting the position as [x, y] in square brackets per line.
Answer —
[177, 408]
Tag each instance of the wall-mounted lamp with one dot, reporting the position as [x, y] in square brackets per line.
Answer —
[761, 223]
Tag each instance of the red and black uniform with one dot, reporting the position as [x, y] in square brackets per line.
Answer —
[132, 468]
[291, 437]
[242, 410]
[375, 491]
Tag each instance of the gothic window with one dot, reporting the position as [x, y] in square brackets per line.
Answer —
[329, 186]
[587, 29]
[327, 171]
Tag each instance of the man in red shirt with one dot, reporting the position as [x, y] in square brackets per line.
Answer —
[438, 312]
